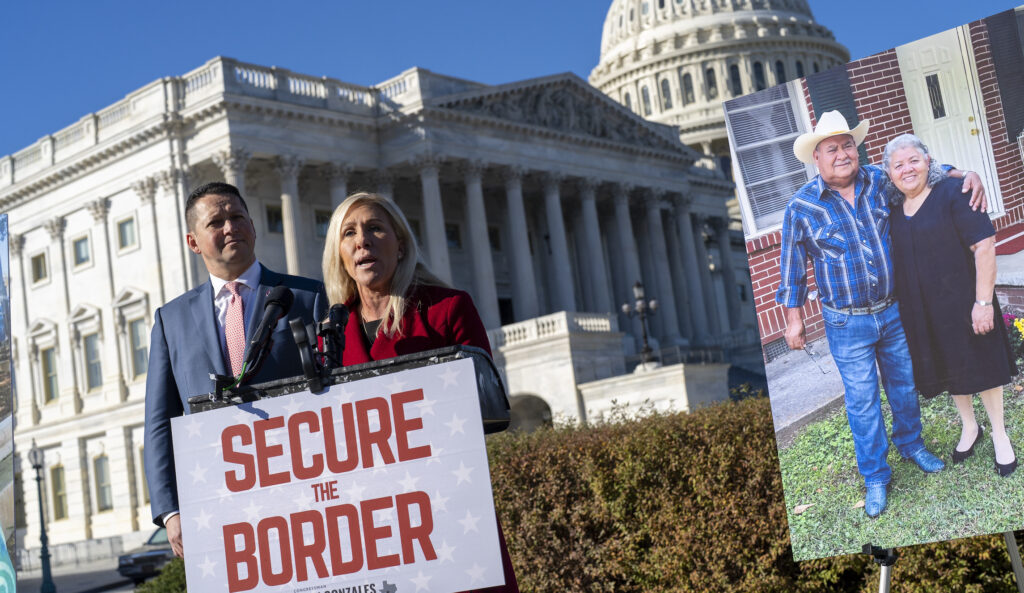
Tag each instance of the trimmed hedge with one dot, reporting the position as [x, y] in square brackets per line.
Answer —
[683, 502]
[686, 502]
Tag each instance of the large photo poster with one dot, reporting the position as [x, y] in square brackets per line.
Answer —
[7, 485]
[379, 485]
[890, 312]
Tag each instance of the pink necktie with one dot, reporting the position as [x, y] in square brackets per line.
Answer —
[234, 329]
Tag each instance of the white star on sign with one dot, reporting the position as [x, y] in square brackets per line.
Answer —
[207, 566]
[304, 498]
[476, 573]
[293, 406]
[242, 416]
[456, 424]
[436, 456]
[449, 375]
[342, 394]
[469, 523]
[355, 493]
[396, 386]
[193, 426]
[462, 473]
[445, 552]
[252, 512]
[223, 493]
[439, 502]
[198, 474]
[426, 406]
[409, 483]
[420, 581]
[203, 520]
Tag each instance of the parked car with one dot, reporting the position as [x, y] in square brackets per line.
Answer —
[147, 560]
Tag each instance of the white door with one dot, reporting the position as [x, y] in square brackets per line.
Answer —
[941, 84]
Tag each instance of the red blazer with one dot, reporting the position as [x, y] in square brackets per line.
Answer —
[434, 318]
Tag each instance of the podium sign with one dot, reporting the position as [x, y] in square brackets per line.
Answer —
[379, 485]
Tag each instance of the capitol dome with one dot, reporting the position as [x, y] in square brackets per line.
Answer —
[675, 61]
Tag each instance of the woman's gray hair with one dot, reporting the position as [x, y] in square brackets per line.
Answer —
[935, 172]
[341, 288]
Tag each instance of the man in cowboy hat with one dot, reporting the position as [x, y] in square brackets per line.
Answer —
[840, 220]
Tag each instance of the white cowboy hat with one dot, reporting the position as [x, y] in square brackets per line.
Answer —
[832, 123]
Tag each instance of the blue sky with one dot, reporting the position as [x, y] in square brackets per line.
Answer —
[61, 60]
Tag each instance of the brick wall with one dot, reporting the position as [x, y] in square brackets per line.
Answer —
[878, 93]
[763, 255]
[1009, 167]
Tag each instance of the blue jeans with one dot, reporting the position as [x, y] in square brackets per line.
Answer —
[857, 342]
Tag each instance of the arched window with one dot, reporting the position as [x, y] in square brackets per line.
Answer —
[734, 79]
[759, 83]
[780, 72]
[799, 69]
[645, 95]
[712, 84]
[666, 95]
[687, 89]
[629, 101]
[661, 3]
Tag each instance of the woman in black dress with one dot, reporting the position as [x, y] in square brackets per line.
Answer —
[945, 267]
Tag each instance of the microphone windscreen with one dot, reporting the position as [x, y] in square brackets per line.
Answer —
[282, 296]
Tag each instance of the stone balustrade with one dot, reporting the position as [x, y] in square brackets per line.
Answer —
[549, 326]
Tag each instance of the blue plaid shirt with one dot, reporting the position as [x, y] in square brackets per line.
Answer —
[848, 245]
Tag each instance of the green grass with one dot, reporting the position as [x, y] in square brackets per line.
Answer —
[963, 500]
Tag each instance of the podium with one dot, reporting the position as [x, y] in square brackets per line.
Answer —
[494, 406]
[377, 481]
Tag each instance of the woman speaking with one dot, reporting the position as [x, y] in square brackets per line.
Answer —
[371, 264]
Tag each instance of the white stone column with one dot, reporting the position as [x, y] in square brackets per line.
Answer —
[231, 163]
[385, 183]
[55, 227]
[524, 282]
[288, 168]
[666, 295]
[434, 237]
[564, 296]
[480, 246]
[99, 208]
[675, 262]
[691, 266]
[732, 299]
[594, 257]
[23, 363]
[706, 283]
[628, 250]
[146, 190]
[168, 180]
[337, 177]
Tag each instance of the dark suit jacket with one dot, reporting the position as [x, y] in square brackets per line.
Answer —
[185, 348]
[434, 318]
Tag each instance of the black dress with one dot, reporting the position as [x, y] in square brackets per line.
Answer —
[934, 275]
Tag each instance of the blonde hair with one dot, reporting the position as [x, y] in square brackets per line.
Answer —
[341, 288]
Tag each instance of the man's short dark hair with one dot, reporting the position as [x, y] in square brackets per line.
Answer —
[214, 188]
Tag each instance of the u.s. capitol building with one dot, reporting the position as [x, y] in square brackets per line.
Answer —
[544, 198]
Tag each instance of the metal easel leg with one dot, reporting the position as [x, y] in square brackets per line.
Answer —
[1015, 562]
[884, 557]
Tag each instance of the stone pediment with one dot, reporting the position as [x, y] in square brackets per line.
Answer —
[565, 103]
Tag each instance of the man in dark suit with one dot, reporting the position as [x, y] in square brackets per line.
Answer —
[205, 330]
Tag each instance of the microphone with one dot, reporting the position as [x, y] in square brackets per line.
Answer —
[279, 301]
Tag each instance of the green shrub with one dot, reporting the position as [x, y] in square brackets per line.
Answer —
[170, 580]
[686, 502]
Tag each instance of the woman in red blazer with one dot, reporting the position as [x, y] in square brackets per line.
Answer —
[397, 306]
